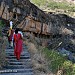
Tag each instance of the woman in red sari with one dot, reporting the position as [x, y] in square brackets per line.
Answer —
[17, 43]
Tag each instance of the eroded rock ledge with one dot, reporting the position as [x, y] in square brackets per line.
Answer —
[30, 18]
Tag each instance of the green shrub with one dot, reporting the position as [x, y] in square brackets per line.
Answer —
[56, 59]
[1, 26]
[57, 62]
[1, 23]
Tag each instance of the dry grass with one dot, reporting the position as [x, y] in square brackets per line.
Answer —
[32, 48]
[37, 59]
[25, 42]
[39, 62]
[2, 52]
[44, 43]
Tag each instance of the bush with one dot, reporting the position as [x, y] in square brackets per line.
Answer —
[58, 62]
[2, 52]
[1, 26]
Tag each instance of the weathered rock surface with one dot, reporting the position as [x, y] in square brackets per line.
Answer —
[30, 18]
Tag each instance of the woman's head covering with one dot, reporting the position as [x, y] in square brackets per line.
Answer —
[16, 31]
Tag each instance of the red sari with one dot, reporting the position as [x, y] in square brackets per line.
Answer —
[18, 45]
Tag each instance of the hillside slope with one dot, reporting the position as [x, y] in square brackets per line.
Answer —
[57, 6]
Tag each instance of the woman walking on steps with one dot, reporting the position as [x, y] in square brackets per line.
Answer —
[18, 36]
[10, 36]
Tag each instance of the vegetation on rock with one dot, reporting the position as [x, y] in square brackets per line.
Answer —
[2, 46]
[56, 6]
[58, 62]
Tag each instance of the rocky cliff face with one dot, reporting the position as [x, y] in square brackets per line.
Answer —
[30, 18]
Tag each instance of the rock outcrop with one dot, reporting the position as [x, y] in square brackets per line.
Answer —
[29, 17]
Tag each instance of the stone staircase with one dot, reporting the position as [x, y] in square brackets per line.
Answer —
[17, 67]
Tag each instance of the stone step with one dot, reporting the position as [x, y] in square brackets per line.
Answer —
[23, 54]
[17, 74]
[17, 66]
[16, 59]
[21, 60]
[13, 49]
[31, 73]
[16, 71]
[21, 57]
[9, 52]
[19, 63]
[8, 48]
